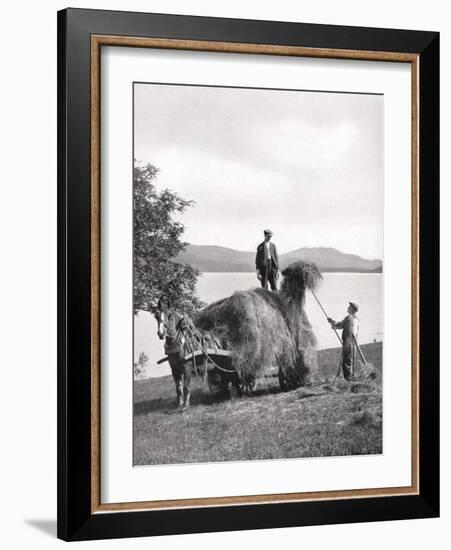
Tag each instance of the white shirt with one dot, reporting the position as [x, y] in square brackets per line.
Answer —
[268, 248]
[354, 325]
[352, 322]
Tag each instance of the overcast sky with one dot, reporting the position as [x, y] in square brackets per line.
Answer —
[308, 165]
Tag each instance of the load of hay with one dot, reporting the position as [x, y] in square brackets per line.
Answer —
[265, 329]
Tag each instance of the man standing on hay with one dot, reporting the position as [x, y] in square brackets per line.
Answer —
[350, 326]
[267, 262]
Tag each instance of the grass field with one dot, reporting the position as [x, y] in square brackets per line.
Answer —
[323, 420]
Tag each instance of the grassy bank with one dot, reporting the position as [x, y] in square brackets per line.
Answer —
[324, 420]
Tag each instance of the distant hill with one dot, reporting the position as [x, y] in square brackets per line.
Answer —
[331, 259]
[221, 259]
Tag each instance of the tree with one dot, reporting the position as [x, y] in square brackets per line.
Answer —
[157, 242]
[140, 366]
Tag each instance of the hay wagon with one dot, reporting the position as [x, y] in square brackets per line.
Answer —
[215, 366]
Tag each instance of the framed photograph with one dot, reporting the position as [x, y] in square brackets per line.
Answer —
[248, 274]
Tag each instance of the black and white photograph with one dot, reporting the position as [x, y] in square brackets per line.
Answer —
[225, 248]
[258, 273]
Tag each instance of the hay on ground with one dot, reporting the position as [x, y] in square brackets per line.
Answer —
[365, 386]
[369, 372]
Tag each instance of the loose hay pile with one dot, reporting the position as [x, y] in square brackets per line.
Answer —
[369, 372]
[365, 386]
[264, 329]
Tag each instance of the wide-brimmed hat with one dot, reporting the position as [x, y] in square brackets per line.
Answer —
[268, 232]
[354, 305]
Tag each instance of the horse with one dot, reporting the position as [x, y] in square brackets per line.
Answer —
[170, 328]
[176, 330]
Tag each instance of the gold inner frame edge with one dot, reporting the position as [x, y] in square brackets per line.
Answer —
[97, 41]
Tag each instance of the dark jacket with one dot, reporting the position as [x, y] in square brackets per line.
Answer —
[261, 259]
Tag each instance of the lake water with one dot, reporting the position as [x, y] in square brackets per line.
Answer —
[335, 291]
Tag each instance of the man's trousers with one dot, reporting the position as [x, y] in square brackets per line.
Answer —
[347, 360]
[268, 275]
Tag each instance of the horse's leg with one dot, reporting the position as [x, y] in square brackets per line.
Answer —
[234, 386]
[238, 387]
[177, 376]
[187, 371]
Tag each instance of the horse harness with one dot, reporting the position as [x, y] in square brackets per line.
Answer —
[181, 333]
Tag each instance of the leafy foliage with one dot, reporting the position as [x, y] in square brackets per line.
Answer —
[157, 241]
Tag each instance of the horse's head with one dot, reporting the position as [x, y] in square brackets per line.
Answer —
[161, 331]
[162, 316]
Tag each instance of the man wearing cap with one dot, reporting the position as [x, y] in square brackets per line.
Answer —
[267, 262]
[350, 326]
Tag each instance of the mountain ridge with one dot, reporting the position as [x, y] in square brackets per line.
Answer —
[221, 259]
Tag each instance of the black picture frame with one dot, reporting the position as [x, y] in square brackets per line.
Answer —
[76, 519]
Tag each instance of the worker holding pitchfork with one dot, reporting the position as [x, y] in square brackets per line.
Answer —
[350, 327]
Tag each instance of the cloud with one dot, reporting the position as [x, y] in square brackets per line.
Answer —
[251, 158]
